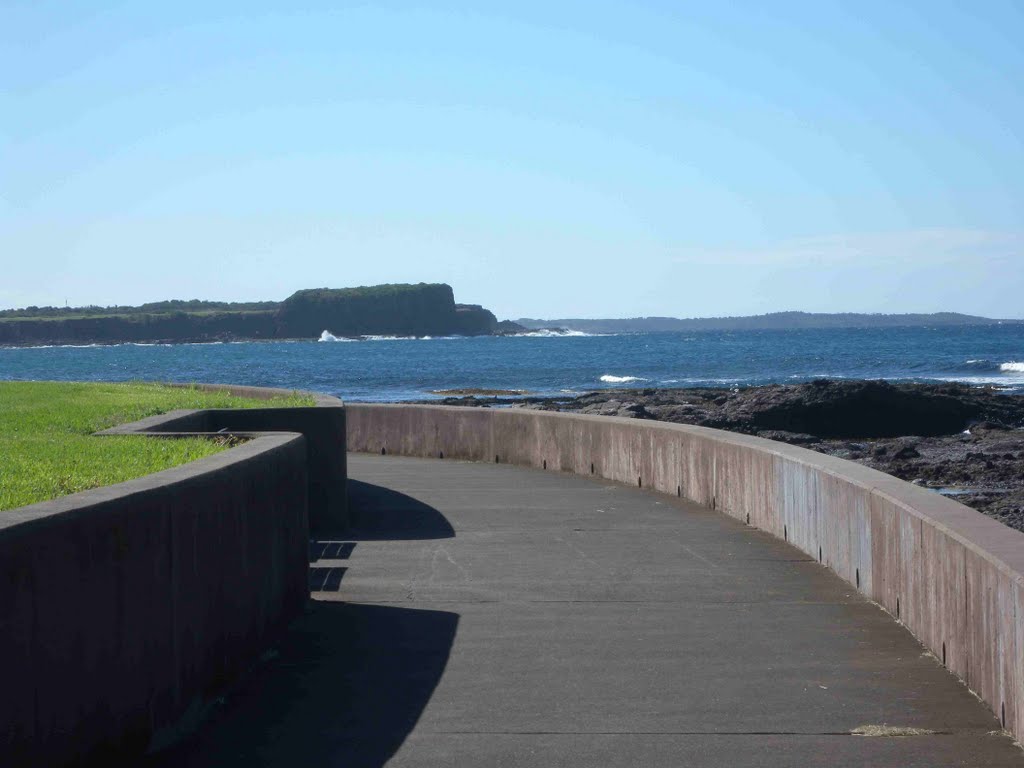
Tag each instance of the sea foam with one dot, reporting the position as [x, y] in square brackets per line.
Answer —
[610, 379]
[548, 333]
[1012, 367]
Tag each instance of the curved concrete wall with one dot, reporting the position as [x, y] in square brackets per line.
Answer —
[123, 609]
[322, 426]
[950, 574]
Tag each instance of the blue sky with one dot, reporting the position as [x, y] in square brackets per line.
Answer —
[546, 159]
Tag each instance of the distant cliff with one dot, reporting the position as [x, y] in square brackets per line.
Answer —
[400, 310]
[772, 321]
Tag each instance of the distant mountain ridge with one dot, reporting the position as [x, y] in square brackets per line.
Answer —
[771, 321]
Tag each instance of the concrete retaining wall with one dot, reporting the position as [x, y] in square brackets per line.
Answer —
[950, 574]
[322, 426]
[123, 610]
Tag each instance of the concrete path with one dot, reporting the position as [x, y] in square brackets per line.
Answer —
[487, 615]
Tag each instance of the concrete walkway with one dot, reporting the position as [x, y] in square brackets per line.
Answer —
[487, 615]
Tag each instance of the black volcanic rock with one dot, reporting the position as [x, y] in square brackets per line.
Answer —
[864, 409]
[820, 409]
[508, 327]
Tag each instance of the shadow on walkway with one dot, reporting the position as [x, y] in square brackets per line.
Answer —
[349, 681]
[349, 685]
[381, 514]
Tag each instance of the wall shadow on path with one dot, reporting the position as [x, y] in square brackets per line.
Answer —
[380, 514]
[347, 688]
[349, 681]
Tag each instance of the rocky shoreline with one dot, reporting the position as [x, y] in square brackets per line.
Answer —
[965, 442]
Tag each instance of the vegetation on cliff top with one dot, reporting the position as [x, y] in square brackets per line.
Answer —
[173, 306]
[387, 290]
[48, 449]
[199, 306]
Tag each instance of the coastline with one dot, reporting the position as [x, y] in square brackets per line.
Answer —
[962, 441]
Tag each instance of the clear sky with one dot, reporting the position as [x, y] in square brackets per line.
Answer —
[547, 159]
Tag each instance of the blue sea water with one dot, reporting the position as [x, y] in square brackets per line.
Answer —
[389, 369]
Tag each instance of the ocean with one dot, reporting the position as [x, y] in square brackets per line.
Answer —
[393, 369]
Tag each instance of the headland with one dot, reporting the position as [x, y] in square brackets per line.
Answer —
[423, 309]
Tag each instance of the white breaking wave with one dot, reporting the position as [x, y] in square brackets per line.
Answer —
[65, 346]
[609, 379]
[328, 336]
[1011, 366]
[547, 333]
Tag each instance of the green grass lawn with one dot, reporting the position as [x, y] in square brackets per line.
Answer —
[47, 448]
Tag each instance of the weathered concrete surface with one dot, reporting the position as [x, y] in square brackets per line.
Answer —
[123, 607]
[492, 615]
[954, 577]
